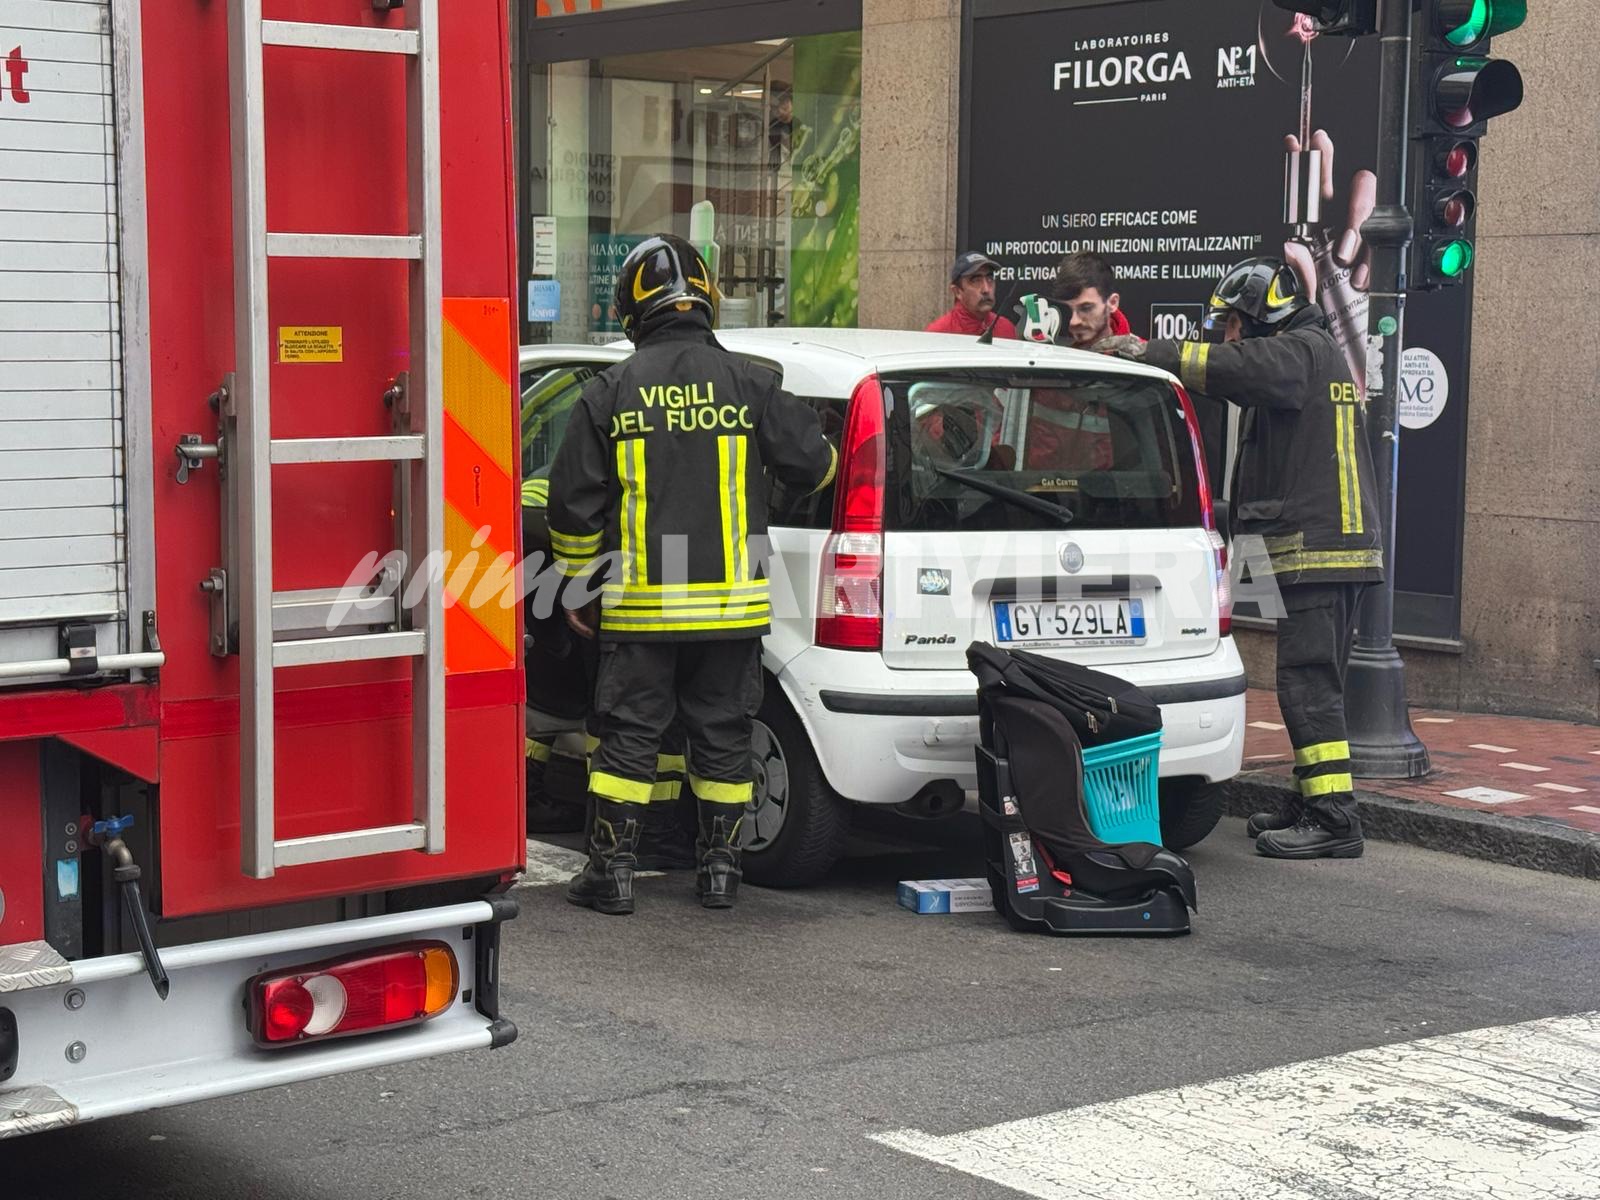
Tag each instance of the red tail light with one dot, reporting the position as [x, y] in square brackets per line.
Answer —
[850, 607]
[380, 989]
[1221, 587]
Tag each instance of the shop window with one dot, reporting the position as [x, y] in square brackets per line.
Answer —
[751, 150]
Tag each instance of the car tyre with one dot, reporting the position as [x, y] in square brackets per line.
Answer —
[797, 824]
[1190, 809]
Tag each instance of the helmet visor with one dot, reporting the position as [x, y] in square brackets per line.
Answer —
[1215, 327]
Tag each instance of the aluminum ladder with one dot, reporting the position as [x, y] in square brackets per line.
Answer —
[416, 445]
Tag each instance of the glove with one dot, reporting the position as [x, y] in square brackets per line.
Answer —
[1123, 345]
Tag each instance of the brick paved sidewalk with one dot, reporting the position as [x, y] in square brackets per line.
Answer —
[1547, 771]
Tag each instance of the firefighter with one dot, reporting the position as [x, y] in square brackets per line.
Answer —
[656, 492]
[1303, 484]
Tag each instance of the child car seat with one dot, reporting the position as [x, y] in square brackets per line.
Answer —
[1048, 869]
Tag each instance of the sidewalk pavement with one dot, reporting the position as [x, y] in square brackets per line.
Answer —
[1514, 790]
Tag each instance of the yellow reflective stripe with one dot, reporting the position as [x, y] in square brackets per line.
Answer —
[673, 589]
[682, 626]
[666, 789]
[741, 534]
[574, 544]
[732, 463]
[1310, 756]
[710, 608]
[571, 567]
[833, 469]
[1327, 785]
[648, 608]
[721, 793]
[538, 751]
[630, 472]
[1325, 560]
[712, 619]
[667, 763]
[1192, 358]
[615, 787]
[1355, 474]
[535, 493]
[684, 608]
[1344, 422]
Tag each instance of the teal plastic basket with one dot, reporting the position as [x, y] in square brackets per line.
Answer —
[1120, 789]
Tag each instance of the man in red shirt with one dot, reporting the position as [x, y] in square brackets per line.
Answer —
[1085, 290]
[972, 287]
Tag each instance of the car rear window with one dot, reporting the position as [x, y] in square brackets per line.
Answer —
[1112, 451]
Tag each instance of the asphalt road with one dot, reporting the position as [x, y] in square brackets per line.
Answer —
[684, 1053]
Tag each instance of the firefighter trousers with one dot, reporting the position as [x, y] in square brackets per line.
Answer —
[713, 688]
[1314, 640]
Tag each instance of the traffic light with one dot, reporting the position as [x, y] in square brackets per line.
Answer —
[1459, 87]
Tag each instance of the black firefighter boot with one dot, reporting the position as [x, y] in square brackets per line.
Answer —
[606, 882]
[716, 881]
[1328, 828]
[1287, 816]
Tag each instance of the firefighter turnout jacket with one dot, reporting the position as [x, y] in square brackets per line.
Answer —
[1303, 481]
[659, 484]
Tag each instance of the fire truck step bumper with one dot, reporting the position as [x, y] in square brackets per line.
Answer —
[100, 1042]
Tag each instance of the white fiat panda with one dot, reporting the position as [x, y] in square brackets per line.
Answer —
[1031, 496]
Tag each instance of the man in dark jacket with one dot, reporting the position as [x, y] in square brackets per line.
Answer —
[1303, 483]
[656, 493]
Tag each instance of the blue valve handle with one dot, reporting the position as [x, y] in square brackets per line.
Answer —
[111, 827]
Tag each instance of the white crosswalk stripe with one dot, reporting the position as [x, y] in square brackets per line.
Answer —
[1511, 1112]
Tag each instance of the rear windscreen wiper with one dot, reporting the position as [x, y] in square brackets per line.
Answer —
[1000, 491]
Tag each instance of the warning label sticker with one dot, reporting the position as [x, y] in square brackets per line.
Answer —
[310, 343]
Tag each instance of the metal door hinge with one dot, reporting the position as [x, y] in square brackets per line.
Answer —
[215, 585]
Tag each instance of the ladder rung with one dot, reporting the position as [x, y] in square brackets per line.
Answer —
[312, 610]
[350, 449]
[339, 37]
[343, 245]
[356, 647]
[296, 852]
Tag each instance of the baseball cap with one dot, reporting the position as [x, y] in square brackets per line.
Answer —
[969, 262]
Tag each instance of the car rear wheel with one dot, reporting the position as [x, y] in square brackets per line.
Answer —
[796, 825]
[1190, 809]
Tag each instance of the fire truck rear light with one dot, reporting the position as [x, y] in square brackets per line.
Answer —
[363, 993]
[286, 1010]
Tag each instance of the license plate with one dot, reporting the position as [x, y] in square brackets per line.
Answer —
[1115, 621]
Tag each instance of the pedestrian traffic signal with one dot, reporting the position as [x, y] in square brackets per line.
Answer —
[1459, 88]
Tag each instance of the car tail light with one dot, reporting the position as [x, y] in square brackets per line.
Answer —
[361, 993]
[850, 607]
[1221, 587]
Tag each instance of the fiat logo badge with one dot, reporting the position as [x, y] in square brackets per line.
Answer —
[1072, 558]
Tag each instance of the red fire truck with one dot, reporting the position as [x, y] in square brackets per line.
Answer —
[260, 669]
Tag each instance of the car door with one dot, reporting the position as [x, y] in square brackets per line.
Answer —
[551, 380]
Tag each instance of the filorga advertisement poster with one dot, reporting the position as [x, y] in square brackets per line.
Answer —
[1177, 137]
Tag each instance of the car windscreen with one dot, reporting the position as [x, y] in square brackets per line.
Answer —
[995, 450]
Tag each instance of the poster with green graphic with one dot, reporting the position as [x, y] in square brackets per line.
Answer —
[826, 161]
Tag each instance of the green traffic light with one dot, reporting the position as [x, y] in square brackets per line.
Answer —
[1467, 22]
[1470, 28]
[1452, 258]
